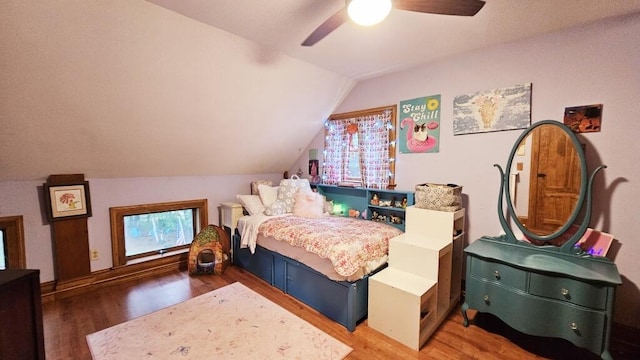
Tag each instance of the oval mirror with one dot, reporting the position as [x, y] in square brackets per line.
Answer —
[547, 180]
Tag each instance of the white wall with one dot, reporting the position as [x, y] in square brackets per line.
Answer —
[598, 63]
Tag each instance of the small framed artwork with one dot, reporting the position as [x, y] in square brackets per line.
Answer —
[314, 166]
[64, 201]
[583, 119]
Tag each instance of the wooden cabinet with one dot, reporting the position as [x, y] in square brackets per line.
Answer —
[21, 330]
[411, 297]
[388, 206]
[539, 293]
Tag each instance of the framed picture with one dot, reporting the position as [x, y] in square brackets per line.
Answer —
[583, 119]
[420, 125]
[314, 168]
[64, 201]
[507, 108]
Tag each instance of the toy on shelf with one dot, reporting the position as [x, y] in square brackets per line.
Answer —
[395, 219]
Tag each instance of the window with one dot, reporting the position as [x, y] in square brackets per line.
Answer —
[359, 148]
[142, 232]
[12, 254]
[146, 234]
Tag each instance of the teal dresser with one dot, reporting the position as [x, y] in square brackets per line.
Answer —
[543, 294]
[556, 288]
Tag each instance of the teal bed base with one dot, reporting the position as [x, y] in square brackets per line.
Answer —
[341, 301]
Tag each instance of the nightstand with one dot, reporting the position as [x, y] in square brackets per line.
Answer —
[229, 213]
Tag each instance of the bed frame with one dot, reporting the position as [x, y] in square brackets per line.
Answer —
[342, 301]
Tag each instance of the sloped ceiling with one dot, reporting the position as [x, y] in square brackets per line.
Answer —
[128, 88]
[405, 39]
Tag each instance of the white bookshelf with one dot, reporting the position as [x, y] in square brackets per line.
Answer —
[411, 297]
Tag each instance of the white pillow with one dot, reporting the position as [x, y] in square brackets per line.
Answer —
[251, 203]
[276, 208]
[289, 188]
[308, 204]
[268, 194]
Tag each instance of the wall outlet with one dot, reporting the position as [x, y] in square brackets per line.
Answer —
[94, 255]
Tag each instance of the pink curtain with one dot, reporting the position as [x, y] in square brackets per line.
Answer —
[373, 139]
[336, 152]
[373, 136]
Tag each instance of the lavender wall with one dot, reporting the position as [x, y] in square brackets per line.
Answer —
[25, 198]
[588, 65]
[591, 64]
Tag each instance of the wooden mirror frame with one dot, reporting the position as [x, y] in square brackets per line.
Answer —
[586, 184]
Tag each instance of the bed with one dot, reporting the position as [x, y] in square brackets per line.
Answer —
[292, 254]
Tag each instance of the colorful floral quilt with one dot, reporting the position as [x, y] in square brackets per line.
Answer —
[349, 243]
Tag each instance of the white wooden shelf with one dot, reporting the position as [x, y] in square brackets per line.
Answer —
[411, 297]
[415, 295]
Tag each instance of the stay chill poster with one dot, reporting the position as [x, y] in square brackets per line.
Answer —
[420, 125]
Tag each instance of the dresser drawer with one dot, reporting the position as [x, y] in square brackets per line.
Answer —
[538, 316]
[498, 273]
[488, 296]
[583, 327]
[576, 292]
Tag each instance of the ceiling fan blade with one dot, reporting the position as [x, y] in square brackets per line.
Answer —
[326, 27]
[443, 7]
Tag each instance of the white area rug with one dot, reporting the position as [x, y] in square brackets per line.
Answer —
[233, 322]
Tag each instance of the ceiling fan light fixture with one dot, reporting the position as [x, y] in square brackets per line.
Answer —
[368, 12]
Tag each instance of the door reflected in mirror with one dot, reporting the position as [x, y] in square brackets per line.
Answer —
[546, 189]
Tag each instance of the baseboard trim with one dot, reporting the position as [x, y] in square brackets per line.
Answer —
[102, 278]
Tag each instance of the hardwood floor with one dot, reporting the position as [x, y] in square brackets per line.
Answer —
[68, 321]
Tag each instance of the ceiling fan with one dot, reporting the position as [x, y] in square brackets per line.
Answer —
[443, 7]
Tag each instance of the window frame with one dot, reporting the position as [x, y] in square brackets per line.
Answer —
[14, 238]
[117, 215]
[392, 134]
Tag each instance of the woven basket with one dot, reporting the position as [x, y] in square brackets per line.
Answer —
[441, 197]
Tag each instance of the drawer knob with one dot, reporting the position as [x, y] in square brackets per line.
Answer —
[573, 326]
[486, 298]
[564, 292]
[497, 274]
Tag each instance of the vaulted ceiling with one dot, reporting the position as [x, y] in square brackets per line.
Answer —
[136, 88]
[403, 40]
